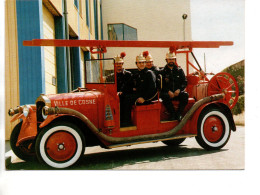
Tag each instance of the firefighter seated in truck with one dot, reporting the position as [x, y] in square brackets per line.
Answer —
[123, 78]
[149, 63]
[143, 87]
[174, 84]
[150, 66]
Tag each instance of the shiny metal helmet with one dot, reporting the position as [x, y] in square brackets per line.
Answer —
[148, 56]
[170, 55]
[120, 58]
[140, 58]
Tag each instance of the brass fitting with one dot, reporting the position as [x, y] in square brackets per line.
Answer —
[14, 111]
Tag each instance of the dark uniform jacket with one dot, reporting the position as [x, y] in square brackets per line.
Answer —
[123, 80]
[173, 79]
[155, 70]
[144, 83]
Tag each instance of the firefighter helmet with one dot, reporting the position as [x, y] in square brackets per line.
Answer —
[140, 58]
[120, 58]
[170, 55]
[147, 56]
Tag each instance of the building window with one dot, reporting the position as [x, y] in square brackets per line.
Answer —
[101, 21]
[87, 13]
[121, 32]
[76, 3]
[96, 19]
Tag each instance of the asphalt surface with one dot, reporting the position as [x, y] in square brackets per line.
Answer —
[153, 156]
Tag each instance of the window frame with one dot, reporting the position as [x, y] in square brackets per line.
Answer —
[123, 31]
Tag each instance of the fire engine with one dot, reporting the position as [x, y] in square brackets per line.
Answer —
[58, 127]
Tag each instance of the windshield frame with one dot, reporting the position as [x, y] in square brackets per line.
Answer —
[102, 59]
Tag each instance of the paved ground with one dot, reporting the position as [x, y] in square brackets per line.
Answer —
[7, 146]
[154, 156]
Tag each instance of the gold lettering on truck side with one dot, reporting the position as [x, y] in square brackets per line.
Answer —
[63, 103]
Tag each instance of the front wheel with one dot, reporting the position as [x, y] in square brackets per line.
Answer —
[213, 130]
[60, 145]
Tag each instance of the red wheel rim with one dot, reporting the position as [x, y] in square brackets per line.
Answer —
[224, 83]
[61, 146]
[213, 129]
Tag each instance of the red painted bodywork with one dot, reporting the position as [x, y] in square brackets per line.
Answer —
[93, 103]
[86, 103]
[29, 127]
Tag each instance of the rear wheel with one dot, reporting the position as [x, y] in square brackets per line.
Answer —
[174, 142]
[25, 150]
[213, 129]
[60, 145]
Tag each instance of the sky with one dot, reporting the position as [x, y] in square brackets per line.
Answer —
[219, 20]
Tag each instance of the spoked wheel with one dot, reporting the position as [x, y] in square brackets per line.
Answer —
[25, 150]
[213, 129]
[60, 145]
[174, 142]
[224, 83]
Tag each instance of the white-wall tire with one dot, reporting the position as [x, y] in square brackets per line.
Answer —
[60, 145]
[213, 129]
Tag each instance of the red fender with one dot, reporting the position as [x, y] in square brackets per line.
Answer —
[49, 119]
[29, 127]
[195, 117]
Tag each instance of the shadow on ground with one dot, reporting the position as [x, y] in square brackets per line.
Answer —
[114, 159]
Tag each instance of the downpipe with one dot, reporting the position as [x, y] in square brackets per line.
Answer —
[122, 140]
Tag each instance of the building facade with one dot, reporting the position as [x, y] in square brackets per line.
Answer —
[146, 20]
[31, 71]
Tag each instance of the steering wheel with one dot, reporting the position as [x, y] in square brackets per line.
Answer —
[224, 83]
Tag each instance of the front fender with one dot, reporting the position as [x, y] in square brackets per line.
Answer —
[195, 118]
[28, 129]
[49, 119]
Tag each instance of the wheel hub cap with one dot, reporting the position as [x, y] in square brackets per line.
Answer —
[213, 129]
[61, 146]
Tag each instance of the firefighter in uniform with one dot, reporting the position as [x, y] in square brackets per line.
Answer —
[174, 83]
[143, 86]
[123, 78]
[149, 63]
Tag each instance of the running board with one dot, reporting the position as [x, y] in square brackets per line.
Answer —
[166, 121]
[129, 128]
[156, 140]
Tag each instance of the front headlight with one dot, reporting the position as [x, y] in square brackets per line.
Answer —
[26, 110]
[44, 116]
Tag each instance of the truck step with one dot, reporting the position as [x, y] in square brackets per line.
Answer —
[148, 141]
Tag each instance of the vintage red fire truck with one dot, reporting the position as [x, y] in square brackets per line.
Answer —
[58, 127]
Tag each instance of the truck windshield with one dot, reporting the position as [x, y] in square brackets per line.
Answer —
[100, 71]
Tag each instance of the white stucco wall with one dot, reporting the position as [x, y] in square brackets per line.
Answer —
[155, 20]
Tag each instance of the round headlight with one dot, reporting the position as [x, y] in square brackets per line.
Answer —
[44, 116]
[26, 110]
